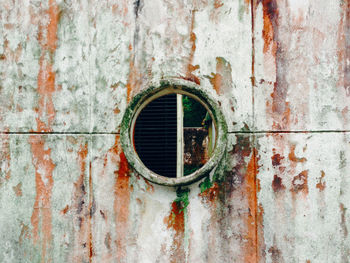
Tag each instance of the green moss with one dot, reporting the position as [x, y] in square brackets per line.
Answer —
[205, 185]
[194, 112]
[190, 169]
[182, 198]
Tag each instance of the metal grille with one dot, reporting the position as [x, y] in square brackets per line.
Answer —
[155, 135]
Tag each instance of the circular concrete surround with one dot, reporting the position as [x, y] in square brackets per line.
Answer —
[165, 87]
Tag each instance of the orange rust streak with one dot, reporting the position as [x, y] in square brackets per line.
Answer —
[91, 208]
[216, 81]
[133, 84]
[44, 184]
[276, 159]
[46, 76]
[52, 27]
[190, 68]
[251, 223]
[176, 221]
[210, 195]
[292, 156]
[83, 212]
[217, 4]
[121, 206]
[83, 250]
[65, 210]
[299, 183]
[222, 79]
[46, 86]
[270, 13]
[321, 185]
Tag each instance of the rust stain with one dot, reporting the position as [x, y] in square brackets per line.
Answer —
[292, 156]
[116, 110]
[121, 205]
[42, 215]
[150, 187]
[277, 184]
[321, 185]
[217, 4]
[343, 48]
[270, 16]
[216, 11]
[260, 235]
[25, 233]
[252, 14]
[222, 79]
[276, 254]
[190, 67]
[18, 189]
[5, 157]
[108, 241]
[176, 221]
[299, 183]
[343, 220]
[11, 55]
[134, 80]
[279, 108]
[122, 191]
[46, 76]
[65, 210]
[276, 158]
[103, 215]
[210, 195]
[83, 211]
[251, 246]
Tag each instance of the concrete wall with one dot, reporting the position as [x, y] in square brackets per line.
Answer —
[279, 69]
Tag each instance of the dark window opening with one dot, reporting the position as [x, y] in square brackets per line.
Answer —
[157, 137]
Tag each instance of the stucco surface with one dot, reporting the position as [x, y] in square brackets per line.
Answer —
[280, 73]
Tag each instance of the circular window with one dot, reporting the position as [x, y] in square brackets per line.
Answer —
[173, 134]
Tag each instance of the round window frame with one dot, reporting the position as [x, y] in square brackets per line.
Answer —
[141, 100]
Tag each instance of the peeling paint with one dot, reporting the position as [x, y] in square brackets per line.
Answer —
[222, 79]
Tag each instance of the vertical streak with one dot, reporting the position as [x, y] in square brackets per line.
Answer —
[179, 144]
[256, 243]
[256, 202]
[91, 203]
[252, 7]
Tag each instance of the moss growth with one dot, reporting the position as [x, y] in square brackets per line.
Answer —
[194, 112]
[190, 169]
[182, 198]
[205, 185]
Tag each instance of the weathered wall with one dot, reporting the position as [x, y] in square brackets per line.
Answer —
[280, 71]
